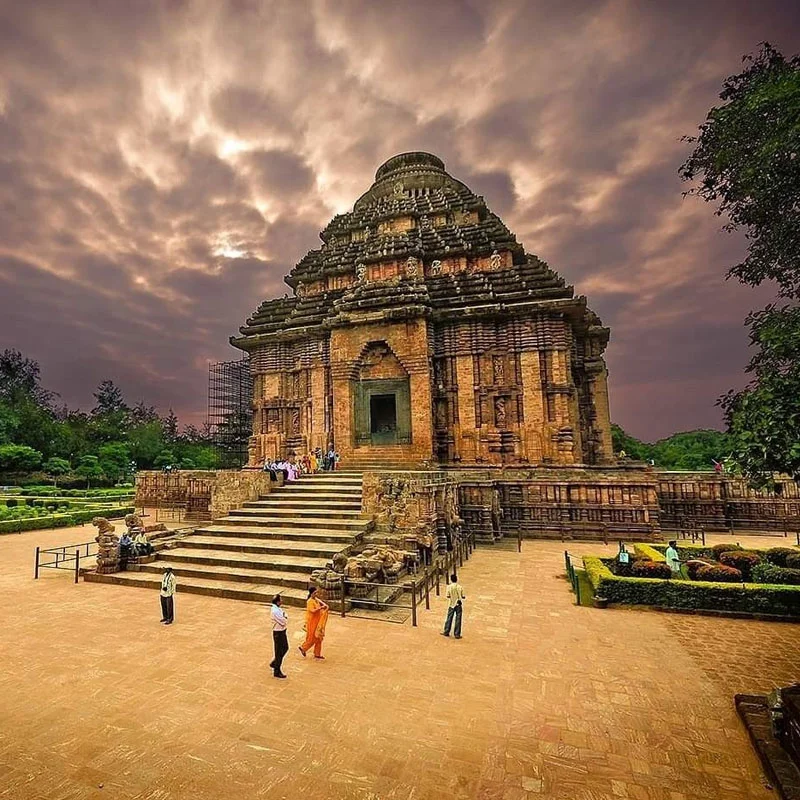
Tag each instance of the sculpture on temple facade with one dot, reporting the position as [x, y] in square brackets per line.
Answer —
[412, 267]
[361, 272]
[436, 267]
[500, 412]
[495, 261]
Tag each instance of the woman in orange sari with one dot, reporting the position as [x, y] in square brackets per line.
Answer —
[316, 619]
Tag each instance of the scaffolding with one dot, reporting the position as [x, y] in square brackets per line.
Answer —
[230, 415]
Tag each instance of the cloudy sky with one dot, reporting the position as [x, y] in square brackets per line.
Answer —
[164, 164]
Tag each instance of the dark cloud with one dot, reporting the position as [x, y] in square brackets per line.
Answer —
[164, 164]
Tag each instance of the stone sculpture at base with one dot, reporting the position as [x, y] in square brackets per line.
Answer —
[107, 546]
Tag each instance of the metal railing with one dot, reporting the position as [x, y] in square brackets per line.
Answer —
[572, 576]
[418, 587]
[67, 556]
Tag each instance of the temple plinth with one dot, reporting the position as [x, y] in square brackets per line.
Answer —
[422, 332]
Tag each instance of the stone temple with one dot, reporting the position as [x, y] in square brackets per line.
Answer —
[422, 333]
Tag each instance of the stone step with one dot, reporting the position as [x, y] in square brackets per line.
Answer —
[277, 547]
[322, 495]
[288, 509]
[225, 558]
[223, 572]
[255, 592]
[283, 534]
[261, 520]
[353, 485]
[303, 504]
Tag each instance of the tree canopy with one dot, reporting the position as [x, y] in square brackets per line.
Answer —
[746, 158]
[102, 446]
[690, 450]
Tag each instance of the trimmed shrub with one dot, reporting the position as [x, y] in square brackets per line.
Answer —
[650, 569]
[769, 573]
[779, 555]
[693, 566]
[718, 573]
[752, 599]
[743, 560]
[718, 549]
[793, 561]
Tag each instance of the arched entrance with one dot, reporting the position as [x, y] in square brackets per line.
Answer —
[381, 399]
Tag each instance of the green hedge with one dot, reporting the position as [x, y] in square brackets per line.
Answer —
[692, 595]
[62, 520]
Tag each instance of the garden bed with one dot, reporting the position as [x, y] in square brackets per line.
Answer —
[39, 521]
[740, 597]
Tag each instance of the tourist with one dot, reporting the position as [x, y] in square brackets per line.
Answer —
[168, 586]
[279, 636]
[125, 550]
[455, 600]
[141, 545]
[316, 619]
[330, 460]
[673, 559]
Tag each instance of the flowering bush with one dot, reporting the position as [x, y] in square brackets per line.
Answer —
[718, 549]
[743, 560]
[650, 569]
[719, 573]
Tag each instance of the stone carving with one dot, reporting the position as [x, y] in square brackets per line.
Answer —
[436, 267]
[295, 420]
[495, 261]
[500, 412]
[412, 267]
[302, 291]
[107, 546]
[425, 222]
[361, 272]
[398, 189]
[499, 369]
[441, 414]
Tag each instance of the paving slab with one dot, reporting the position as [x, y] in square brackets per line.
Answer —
[540, 699]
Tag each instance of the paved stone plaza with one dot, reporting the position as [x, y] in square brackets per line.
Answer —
[540, 699]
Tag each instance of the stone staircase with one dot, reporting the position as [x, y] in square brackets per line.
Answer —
[268, 546]
[380, 462]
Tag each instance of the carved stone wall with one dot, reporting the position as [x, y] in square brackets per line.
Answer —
[721, 502]
[205, 494]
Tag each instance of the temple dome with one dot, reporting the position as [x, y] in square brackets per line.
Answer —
[405, 161]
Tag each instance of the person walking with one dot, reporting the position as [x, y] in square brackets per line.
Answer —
[316, 620]
[279, 636]
[168, 585]
[673, 559]
[455, 606]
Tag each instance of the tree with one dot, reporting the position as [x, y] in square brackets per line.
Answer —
[19, 377]
[146, 442]
[110, 416]
[166, 458]
[56, 466]
[109, 399]
[89, 468]
[19, 458]
[764, 419]
[747, 158]
[115, 461]
[171, 427]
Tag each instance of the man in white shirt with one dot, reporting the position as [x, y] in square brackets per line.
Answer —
[279, 636]
[168, 584]
[455, 601]
[673, 559]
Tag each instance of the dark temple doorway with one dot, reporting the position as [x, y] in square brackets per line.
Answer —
[383, 418]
